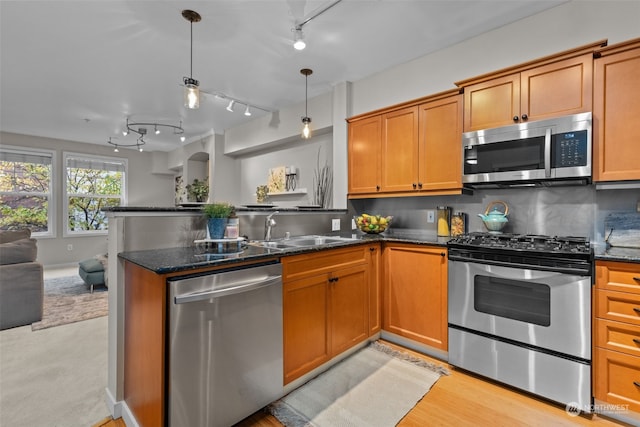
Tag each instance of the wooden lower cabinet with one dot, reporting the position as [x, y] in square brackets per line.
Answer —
[375, 288]
[415, 293]
[616, 335]
[325, 309]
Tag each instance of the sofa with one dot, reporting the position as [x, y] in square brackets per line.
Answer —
[21, 279]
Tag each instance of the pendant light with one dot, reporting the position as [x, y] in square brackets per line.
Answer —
[191, 91]
[306, 129]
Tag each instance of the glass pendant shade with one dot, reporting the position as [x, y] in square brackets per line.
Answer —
[191, 96]
[306, 129]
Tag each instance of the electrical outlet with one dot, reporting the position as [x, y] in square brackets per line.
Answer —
[335, 224]
[431, 216]
[69, 247]
[353, 224]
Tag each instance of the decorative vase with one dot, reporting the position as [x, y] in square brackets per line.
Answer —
[216, 227]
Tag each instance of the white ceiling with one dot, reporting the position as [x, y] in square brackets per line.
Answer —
[75, 70]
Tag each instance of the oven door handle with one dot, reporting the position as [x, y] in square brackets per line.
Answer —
[569, 270]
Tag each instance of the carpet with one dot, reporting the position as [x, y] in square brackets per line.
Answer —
[69, 300]
[376, 386]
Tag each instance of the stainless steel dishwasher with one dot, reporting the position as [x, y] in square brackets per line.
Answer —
[225, 345]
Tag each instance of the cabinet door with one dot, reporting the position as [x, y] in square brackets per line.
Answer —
[557, 89]
[349, 311]
[618, 378]
[305, 311]
[440, 144]
[400, 150]
[375, 290]
[364, 144]
[492, 103]
[415, 293]
[616, 109]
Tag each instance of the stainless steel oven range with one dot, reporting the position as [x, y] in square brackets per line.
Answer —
[520, 312]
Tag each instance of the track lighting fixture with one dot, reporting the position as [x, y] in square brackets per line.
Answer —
[140, 129]
[298, 39]
[247, 112]
[230, 106]
[298, 35]
[306, 120]
[191, 90]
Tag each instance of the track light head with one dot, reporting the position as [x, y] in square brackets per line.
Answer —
[298, 39]
[230, 106]
[247, 112]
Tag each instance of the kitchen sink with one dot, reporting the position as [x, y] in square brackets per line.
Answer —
[301, 242]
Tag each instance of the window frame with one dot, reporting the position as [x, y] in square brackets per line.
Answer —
[52, 194]
[65, 195]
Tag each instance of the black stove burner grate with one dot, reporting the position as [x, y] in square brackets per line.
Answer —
[531, 243]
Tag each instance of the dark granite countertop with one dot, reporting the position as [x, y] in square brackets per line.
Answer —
[170, 260]
[195, 208]
[604, 252]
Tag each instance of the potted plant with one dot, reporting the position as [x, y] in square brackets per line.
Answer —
[217, 215]
[198, 191]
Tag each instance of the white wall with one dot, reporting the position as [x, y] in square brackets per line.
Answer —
[143, 189]
[564, 27]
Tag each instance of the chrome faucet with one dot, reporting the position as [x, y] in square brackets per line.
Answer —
[269, 223]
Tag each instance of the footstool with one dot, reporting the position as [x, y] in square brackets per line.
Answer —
[92, 272]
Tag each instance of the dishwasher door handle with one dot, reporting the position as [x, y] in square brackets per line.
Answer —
[244, 287]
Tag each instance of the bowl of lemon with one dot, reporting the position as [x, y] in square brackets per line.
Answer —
[372, 224]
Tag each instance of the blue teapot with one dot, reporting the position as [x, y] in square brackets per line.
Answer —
[494, 219]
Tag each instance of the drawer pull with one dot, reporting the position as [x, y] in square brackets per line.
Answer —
[637, 279]
[636, 309]
[636, 340]
[636, 383]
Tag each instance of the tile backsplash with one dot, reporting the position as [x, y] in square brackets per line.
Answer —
[555, 211]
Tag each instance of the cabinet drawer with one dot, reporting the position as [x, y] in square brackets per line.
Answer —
[618, 276]
[324, 261]
[619, 306]
[617, 378]
[618, 336]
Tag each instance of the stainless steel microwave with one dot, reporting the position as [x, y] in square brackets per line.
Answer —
[545, 152]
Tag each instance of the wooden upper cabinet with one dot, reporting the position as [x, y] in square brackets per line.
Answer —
[616, 149]
[400, 150]
[419, 149]
[556, 85]
[440, 144]
[492, 103]
[551, 90]
[364, 146]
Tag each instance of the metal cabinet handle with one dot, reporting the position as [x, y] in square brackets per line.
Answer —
[525, 117]
[636, 383]
[377, 188]
[414, 185]
[636, 309]
[372, 249]
[637, 279]
[636, 340]
[333, 279]
[516, 118]
[419, 185]
[442, 254]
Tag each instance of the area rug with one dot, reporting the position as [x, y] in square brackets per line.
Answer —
[376, 386]
[69, 300]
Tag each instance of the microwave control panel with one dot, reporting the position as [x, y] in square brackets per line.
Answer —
[569, 149]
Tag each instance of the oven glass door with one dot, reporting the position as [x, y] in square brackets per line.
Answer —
[525, 301]
[549, 310]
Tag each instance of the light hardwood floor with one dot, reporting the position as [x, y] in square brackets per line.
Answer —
[462, 399]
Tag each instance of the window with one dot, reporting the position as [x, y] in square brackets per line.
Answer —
[26, 190]
[92, 183]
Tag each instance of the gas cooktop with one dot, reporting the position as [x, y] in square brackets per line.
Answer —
[524, 242]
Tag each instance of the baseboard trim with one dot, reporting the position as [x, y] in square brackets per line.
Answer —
[119, 409]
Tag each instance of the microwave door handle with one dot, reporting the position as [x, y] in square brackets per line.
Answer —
[547, 153]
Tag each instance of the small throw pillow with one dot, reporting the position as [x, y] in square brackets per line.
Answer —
[23, 250]
[7, 236]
